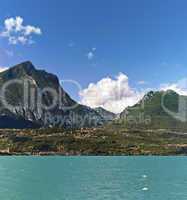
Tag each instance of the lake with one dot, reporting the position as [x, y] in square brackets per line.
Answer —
[98, 178]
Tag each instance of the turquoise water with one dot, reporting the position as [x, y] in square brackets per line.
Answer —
[93, 178]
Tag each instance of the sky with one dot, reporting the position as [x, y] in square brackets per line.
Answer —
[108, 53]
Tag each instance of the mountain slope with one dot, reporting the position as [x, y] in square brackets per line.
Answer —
[157, 110]
[37, 97]
[107, 115]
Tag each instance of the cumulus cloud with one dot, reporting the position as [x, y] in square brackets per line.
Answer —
[180, 86]
[115, 94]
[16, 32]
[3, 69]
[112, 94]
[90, 55]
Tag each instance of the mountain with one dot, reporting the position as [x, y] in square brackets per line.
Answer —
[159, 109]
[106, 115]
[34, 98]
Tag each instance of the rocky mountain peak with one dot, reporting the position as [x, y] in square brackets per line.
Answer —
[26, 67]
[45, 91]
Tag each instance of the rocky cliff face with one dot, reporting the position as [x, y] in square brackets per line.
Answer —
[37, 98]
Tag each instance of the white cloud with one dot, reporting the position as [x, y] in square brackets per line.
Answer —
[71, 44]
[180, 86]
[142, 82]
[90, 55]
[17, 33]
[3, 69]
[31, 29]
[112, 94]
[115, 94]
[9, 53]
[6, 53]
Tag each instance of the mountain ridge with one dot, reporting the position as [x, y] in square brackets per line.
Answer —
[25, 74]
[107, 115]
[67, 113]
[158, 109]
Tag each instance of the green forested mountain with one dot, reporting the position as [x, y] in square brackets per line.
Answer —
[159, 109]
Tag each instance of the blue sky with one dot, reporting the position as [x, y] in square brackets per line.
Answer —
[144, 39]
